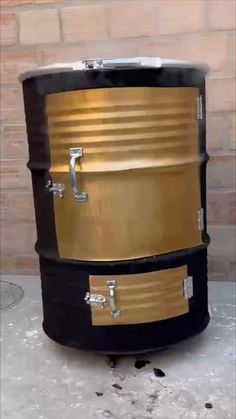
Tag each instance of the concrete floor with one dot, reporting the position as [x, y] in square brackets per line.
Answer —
[43, 380]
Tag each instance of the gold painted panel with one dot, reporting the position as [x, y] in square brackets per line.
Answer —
[140, 168]
[141, 298]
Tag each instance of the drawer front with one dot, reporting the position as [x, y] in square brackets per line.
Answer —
[139, 298]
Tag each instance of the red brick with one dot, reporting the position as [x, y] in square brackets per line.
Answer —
[221, 14]
[17, 238]
[39, 27]
[210, 49]
[232, 207]
[17, 206]
[218, 132]
[123, 48]
[27, 265]
[131, 18]
[3, 206]
[180, 16]
[231, 54]
[15, 63]
[232, 141]
[84, 22]
[14, 142]
[217, 207]
[21, 206]
[11, 103]
[20, 264]
[221, 171]
[164, 48]
[116, 48]
[14, 3]
[220, 95]
[8, 34]
[62, 54]
[46, 1]
[15, 175]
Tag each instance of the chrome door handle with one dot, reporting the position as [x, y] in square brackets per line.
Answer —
[115, 312]
[76, 153]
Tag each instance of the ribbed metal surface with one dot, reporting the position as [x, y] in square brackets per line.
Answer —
[144, 127]
[140, 170]
[142, 298]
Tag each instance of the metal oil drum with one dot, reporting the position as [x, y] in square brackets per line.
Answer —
[118, 161]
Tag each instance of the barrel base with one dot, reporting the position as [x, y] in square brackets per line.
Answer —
[68, 319]
[132, 339]
[159, 346]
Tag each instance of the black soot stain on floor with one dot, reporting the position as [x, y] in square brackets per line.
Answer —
[208, 405]
[140, 363]
[117, 386]
[158, 372]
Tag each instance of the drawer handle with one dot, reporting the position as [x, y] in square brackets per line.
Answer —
[115, 312]
[76, 153]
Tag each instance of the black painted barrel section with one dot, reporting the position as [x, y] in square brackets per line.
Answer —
[67, 319]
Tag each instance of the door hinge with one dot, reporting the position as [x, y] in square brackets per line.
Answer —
[188, 287]
[55, 188]
[199, 111]
[200, 219]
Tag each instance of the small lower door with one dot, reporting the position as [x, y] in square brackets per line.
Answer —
[138, 298]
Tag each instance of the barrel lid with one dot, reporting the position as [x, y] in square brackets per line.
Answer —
[100, 63]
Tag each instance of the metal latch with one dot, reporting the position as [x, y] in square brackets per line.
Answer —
[95, 300]
[97, 63]
[188, 287]
[200, 219]
[55, 188]
[98, 300]
[199, 107]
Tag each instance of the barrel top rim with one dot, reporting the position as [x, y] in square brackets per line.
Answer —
[133, 62]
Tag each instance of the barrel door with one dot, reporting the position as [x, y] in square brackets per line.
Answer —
[139, 298]
[124, 170]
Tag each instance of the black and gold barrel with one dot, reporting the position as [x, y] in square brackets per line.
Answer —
[118, 159]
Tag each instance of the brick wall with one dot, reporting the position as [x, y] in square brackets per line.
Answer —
[39, 32]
